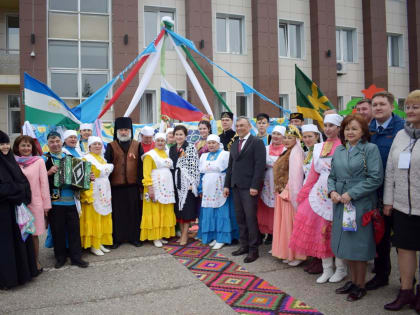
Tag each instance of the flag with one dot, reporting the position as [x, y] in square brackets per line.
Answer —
[175, 107]
[311, 102]
[43, 106]
[88, 111]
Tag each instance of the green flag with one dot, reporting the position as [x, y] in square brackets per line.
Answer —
[311, 102]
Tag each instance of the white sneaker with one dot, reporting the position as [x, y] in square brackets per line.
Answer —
[270, 251]
[285, 261]
[295, 262]
[218, 246]
[339, 275]
[164, 241]
[104, 249]
[326, 275]
[212, 243]
[157, 243]
[96, 252]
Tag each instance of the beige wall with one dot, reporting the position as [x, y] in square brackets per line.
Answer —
[4, 113]
[239, 65]
[175, 73]
[348, 14]
[296, 11]
[396, 22]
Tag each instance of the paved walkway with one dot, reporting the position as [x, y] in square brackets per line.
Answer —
[147, 280]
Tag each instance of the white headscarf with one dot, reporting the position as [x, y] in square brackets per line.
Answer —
[147, 131]
[93, 139]
[160, 135]
[213, 137]
[334, 119]
[312, 128]
[69, 133]
[86, 126]
[169, 130]
[279, 129]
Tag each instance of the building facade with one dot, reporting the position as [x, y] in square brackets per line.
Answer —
[76, 46]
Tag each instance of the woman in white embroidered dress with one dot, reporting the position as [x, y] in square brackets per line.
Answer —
[158, 219]
[265, 212]
[96, 217]
[215, 224]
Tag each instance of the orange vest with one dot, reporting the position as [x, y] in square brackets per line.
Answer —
[125, 164]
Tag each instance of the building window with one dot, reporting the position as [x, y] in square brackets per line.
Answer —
[230, 34]
[12, 35]
[340, 103]
[291, 39]
[244, 105]
[395, 50]
[14, 114]
[147, 105]
[346, 46]
[78, 48]
[401, 104]
[283, 102]
[152, 20]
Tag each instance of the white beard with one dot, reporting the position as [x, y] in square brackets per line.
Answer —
[123, 138]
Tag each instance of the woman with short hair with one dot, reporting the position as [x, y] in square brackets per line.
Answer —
[402, 201]
[356, 173]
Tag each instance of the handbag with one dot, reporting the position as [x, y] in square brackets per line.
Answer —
[25, 221]
[378, 223]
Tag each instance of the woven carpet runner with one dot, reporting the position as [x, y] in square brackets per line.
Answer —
[244, 292]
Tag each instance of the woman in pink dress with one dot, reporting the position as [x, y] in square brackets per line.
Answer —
[265, 212]
[204, 128]
[312, 227]
[33, 167]
[288, 180]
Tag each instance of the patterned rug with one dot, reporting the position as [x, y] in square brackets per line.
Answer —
[244, 292]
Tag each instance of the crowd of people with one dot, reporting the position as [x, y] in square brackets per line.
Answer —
[330, 197]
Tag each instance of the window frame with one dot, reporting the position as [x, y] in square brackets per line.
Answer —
[154, 106]
[340, 103]
[249, 104]
[220, 108]
[79, 70]
[342, 29]
[9, 111]
[8, 49]
[400, 50]
[287, 98]
[158, 10]
[302, 38]
[227, 17]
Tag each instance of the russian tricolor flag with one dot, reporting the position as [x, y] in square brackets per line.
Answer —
[175, 107]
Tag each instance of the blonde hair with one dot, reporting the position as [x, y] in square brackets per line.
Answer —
[413, 97]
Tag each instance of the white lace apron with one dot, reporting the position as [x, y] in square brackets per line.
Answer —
[318, 197]
[267, 192]
[213, 179]
[101, 186]
[163, 184]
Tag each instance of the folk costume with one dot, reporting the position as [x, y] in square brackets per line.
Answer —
[311, 234]
[125, 185]
[216, 225]
[158, 220]
[73, 151]
[201, 147]
[17, 259]
[227, 136]
[186, 178]
[265, 212]
[96, 216]
[288, 180]
[149, 132]
[83, 143]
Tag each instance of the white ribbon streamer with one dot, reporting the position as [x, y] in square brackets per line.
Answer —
[193, 80]
[145, 80]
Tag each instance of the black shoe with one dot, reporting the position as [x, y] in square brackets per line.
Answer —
[376, 283]
[356, 294]
[113, 246]
[251, 258]
[240, 251]
[347, 288]
[60, 263]
[80, 263]
[268, 240]
[137, 243]
[38, 272]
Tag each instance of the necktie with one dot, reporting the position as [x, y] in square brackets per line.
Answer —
[240, 144]
[380, 129]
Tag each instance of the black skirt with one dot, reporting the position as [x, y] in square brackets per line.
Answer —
[189, 212]
[406, 231]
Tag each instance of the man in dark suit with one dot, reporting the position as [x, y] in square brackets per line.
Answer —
[245, 175]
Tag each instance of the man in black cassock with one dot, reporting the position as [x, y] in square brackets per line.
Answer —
[126, 183]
